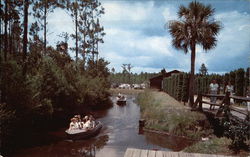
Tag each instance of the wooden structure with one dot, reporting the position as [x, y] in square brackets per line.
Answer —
[224, 108]
[130, 152]
[156, 82]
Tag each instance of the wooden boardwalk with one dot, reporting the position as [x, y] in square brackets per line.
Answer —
[131, 152]
[223, 107]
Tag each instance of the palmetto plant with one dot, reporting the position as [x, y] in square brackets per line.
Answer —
[195, 26]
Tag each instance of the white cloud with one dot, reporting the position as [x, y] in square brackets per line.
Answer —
[120, 10]
[135, 34]
[169, 13]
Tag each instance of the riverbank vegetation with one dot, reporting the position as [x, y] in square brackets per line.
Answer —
[48, 94]
[163, 113]
[126, 76]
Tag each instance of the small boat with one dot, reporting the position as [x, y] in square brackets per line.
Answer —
[121, 100]
[83, 134]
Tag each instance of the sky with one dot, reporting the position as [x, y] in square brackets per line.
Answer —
[136, 34]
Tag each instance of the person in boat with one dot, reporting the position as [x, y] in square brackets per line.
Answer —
[83, 122]
[91, 117]
[73, 124]
[90, 123]
[119, 95]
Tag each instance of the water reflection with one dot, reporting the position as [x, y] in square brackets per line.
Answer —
[120, 132]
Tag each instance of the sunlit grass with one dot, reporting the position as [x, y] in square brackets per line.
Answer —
[212, 146]
[164, 113]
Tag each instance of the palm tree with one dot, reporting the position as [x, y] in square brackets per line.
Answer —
[195, 27]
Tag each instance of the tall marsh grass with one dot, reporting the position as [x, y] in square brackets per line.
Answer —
[164, 113]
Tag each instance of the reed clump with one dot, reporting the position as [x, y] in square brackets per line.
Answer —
[164, 113]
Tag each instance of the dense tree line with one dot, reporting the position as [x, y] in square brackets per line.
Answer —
[40, 84]
[126, 76]
[133, 78]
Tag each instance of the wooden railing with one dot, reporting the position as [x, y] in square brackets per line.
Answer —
[224, 105]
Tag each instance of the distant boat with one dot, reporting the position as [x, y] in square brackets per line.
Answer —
[83, 134]
[121, 100]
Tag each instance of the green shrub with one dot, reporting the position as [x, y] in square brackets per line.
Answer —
[239, 82]
[53, 85]
[238, 133]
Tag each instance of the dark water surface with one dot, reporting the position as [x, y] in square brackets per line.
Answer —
[120, 132]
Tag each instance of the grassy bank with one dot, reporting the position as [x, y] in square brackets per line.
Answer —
[212, 146]
[164, 113]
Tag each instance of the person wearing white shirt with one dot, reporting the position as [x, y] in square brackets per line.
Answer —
[230, 89]
[213, 90]
[73, 124]
[87, 124]
[248, 96]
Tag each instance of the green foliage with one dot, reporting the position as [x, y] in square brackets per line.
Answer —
[238, 133]
[133, 78]
[7, 118]
[177, 86]
[247, 81]
[203, 69]
[239, 82]
[56, 85]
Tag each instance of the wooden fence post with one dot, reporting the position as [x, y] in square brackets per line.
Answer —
[225, 107]
[200, 102]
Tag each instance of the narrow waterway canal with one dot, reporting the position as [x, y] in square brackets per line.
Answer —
[120, 131]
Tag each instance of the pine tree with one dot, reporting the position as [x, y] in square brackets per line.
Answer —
[41, 10]
[203, 69]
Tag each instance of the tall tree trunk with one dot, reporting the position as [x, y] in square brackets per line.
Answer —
[45, 27]
[76, 27]
[93, 51]
[191, 80]
[25, 33]
[0, 34]
[1, 89]
[6, 30]
[97, 52]
[10, 39]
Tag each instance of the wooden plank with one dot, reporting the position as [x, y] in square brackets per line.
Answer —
[214, 95]
[239, 110]
[170, 154]
[206, 102]
[240, 98]
[183, 154]
[159, 154]
[151, 153]
[144, 153]
[136, 153]
[129, 152]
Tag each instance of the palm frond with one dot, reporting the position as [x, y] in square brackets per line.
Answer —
[195, 25]
[183, 11]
